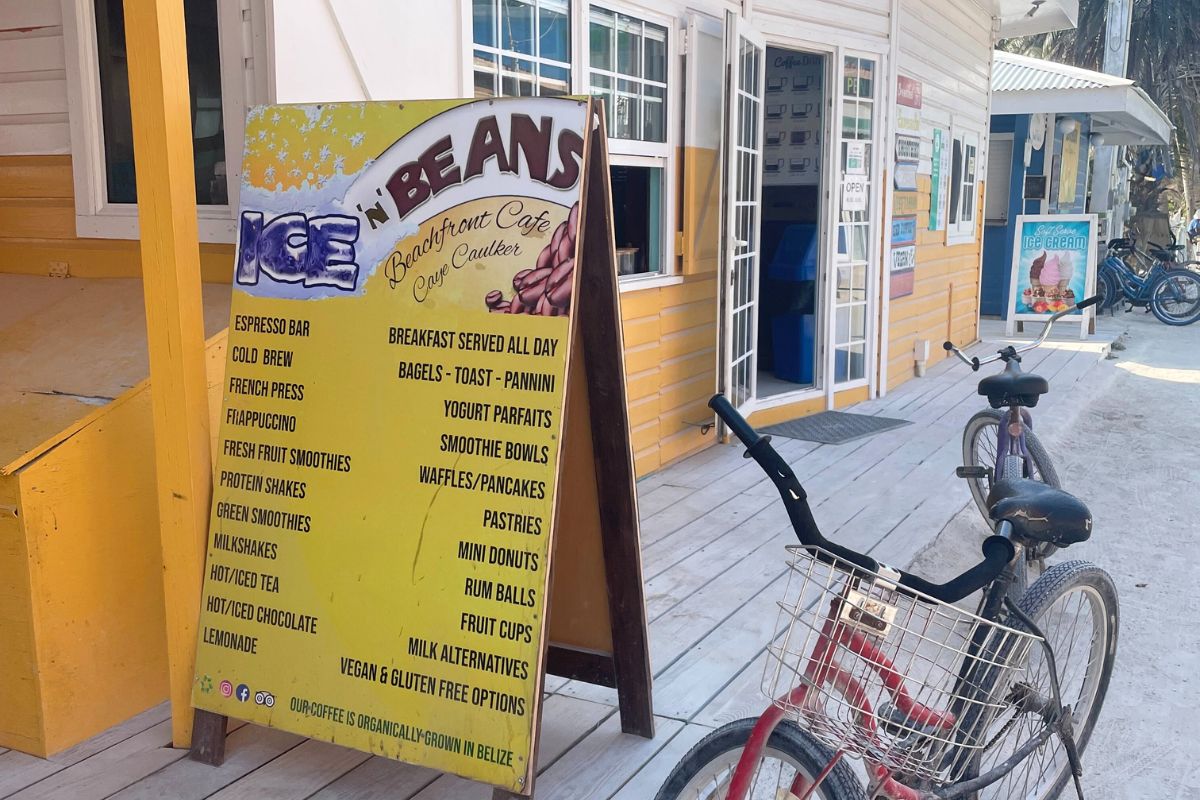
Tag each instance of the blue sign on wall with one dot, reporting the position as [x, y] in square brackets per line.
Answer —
[904, 231]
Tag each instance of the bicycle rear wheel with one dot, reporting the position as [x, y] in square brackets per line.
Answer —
[1175, 297]
[704, 773]
[1075, 605]
[979, 450]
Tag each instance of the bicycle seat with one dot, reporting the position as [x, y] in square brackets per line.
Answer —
[1012, 388]
[1039, 512]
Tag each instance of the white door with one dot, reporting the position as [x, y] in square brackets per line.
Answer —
[743, 171]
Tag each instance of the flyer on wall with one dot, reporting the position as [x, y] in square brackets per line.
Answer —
[389, 442]
[1053, 264]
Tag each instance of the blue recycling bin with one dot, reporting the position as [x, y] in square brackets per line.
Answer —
[794, 336]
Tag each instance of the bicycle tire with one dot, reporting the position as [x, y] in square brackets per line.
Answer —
[717, 752]
[1109, 290]
[979, 487]
[1057, 583]
[1156, 302]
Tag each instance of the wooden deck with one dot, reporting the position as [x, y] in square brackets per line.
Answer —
[712, 539]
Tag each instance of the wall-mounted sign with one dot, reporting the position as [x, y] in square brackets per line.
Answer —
[902, 272]
[1068, 168]
[854, 193]
[904, 204]
[937, 179]
[415, 283]
[909, 91]
[908, 148]
[1053, 267]
[904, 231]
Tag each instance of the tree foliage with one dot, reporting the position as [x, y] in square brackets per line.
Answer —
[1164, 60]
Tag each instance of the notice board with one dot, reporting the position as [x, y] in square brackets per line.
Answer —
[424, 368]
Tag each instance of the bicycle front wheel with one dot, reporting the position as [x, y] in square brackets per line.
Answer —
[1075, 605]
[1175, 298]
[979, 450]
[705, 772]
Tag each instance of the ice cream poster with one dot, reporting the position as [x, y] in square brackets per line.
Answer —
[1053, 264]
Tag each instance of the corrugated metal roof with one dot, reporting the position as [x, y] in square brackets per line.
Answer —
[1014, 73]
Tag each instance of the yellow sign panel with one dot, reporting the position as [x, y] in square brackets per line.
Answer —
[1068, 168]
[390, 437]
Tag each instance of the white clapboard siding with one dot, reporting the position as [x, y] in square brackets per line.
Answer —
[861, 23]
[33, 87]
[947, 46]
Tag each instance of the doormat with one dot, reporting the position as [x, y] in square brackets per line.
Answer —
[833, 427]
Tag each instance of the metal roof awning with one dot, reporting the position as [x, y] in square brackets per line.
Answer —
[1120, 111]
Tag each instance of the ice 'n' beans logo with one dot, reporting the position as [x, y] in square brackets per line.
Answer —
[326, 238]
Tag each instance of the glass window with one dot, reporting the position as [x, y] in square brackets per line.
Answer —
[637, 193]
[855, 223]
[204, 95]
[628, 68]
[964, 169]
[522, 47]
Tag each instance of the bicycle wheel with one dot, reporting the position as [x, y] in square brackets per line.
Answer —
[1075, 605]
[979, 450]
[1108, 289]
[1175, 298]
[704, 772]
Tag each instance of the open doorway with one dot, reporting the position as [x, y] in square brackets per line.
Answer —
[790, 223]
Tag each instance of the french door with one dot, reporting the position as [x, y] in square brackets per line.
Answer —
[743, 171]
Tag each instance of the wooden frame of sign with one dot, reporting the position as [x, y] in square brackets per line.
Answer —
[596, 628]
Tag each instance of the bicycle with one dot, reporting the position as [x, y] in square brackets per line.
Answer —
[1000, 442]
[879, 664]
[1167, 288]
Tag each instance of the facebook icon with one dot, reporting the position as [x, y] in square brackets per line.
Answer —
[243, 692]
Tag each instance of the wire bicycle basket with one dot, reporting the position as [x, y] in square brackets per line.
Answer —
[888, 674]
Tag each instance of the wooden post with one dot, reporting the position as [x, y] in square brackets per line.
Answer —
[166, 189]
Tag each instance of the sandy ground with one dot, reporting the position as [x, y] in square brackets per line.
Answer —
[1132, 452]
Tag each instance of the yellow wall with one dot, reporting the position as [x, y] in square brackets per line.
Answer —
[671, 367]
[945, 299]
[37, 226]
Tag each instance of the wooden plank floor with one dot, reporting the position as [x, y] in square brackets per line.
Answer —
[712, 539]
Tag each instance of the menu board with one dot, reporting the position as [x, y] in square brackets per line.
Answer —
[794, 88]
[392, 427]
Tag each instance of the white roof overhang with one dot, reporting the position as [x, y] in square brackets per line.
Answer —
[1120, 111]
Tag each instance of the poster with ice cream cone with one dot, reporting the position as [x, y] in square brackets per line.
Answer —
[1054, 267]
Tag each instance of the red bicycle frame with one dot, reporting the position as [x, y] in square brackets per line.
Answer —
[823, 668]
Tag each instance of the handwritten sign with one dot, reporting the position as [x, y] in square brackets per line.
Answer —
[392, 427]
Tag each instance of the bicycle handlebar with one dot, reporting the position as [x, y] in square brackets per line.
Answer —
[998, 550]
[975, 362]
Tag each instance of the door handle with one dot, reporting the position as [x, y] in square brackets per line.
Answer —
[742, 242]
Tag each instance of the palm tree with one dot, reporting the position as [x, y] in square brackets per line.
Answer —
[1164, 60]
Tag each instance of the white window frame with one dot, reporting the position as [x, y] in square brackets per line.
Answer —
[627, 152]
[95, 217]
[963, 231]
[635, 152]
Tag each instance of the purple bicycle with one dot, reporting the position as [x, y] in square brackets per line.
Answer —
[999, 443]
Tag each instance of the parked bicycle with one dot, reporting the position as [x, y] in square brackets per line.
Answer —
[999, 442]
[879, 664]
[1167, 288]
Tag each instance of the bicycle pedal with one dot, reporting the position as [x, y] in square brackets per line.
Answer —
[971, 472]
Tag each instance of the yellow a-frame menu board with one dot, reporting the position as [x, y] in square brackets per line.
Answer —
[392, 433]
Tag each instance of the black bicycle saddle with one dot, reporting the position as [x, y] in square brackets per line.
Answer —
[1013, 388]
[1039, 512]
